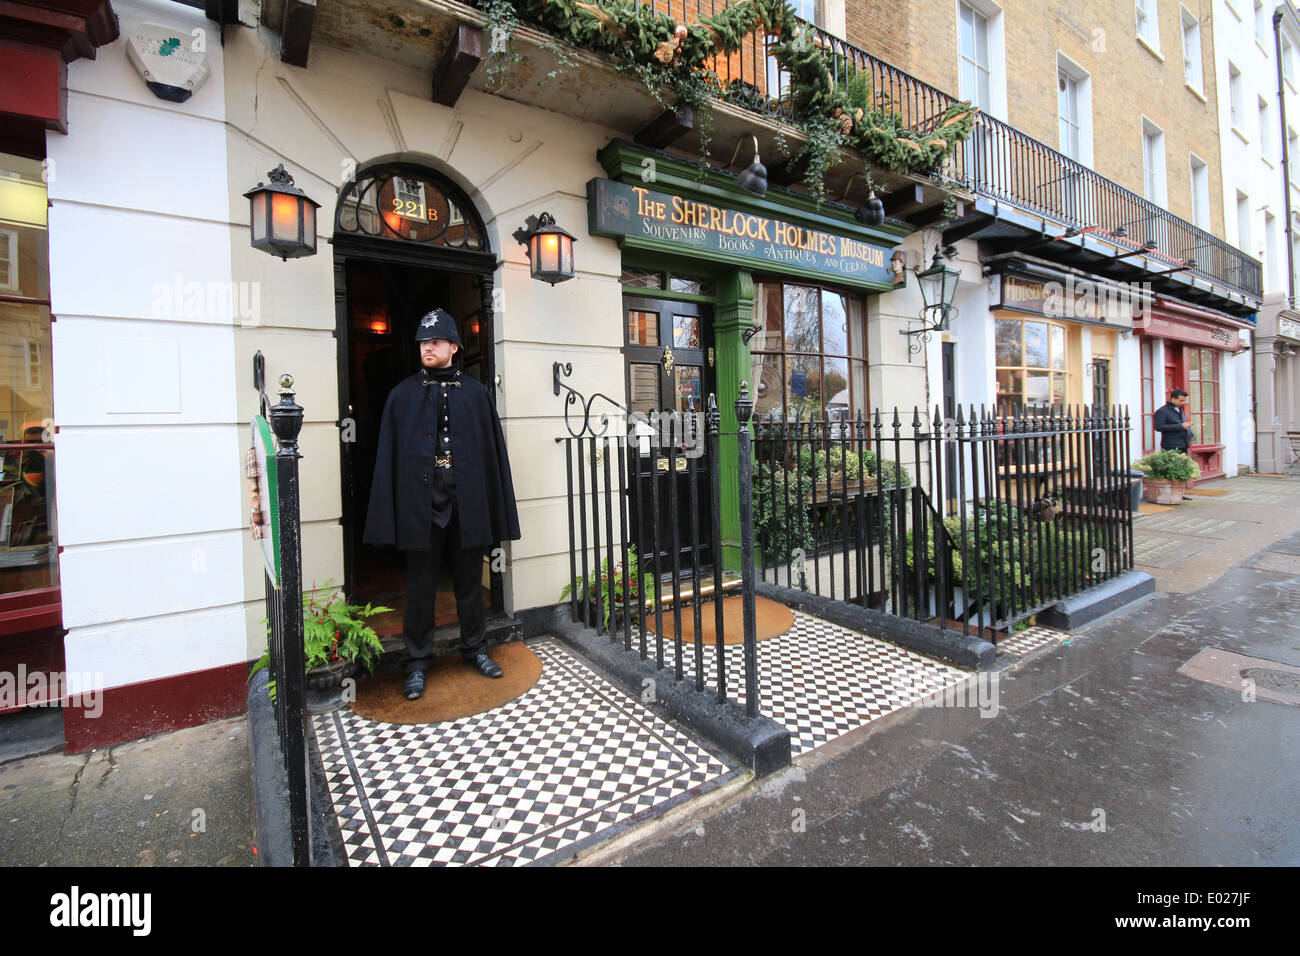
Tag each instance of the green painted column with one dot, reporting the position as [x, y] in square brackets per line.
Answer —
[732, 317]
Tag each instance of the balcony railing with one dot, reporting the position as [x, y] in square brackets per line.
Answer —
[998, 161]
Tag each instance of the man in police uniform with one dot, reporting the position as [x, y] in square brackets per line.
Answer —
[442, 492]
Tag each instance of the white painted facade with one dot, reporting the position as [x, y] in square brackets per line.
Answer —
[1254, 204]
[153, 388]
[149, 520]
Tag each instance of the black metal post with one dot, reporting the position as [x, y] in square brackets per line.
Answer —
[744, 457]
[286, 421]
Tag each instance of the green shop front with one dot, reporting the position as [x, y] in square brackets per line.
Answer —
[722, 286]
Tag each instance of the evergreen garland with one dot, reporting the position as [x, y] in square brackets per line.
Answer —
[668, 56]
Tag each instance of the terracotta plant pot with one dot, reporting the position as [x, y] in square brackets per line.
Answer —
[1161, 491]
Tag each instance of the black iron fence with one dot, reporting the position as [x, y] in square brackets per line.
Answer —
[285, 640]
[975, 522]
[646, 535]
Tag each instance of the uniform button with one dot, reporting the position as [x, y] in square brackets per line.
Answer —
[428, 434]
[446, 439]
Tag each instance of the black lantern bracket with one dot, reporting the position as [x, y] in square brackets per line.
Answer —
[585, 428]
[936, 282]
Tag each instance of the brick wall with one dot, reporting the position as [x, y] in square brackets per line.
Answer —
[1127, 80]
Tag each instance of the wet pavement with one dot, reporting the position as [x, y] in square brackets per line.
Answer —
[1102, 752]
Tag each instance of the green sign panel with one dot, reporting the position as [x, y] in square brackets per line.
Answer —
[693, 227]
[260, 475]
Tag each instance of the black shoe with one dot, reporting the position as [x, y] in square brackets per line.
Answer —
[484, 664]
[413, 686]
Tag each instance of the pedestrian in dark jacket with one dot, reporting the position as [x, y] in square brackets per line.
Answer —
[442, 493]
[1175, 433]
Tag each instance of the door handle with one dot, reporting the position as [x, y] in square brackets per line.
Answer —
[668, 360]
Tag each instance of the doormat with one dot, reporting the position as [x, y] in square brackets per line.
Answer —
[771, 619]
[1206, 492]
[452, 689]
[1146, 508]
[1252, 677]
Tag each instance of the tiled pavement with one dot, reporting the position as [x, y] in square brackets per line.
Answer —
[534, 779]
[574, 760]
[820, 680]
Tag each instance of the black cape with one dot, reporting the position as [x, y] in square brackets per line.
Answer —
[401, 498]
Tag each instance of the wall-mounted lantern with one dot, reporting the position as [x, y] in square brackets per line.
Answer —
[550, 248]
[282, 218]
[938, 285]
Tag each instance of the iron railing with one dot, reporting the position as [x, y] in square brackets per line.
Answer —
[646, 535]
[978, 523]
[285, 638]
[998, 161]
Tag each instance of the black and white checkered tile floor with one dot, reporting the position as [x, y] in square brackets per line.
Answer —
[530, 781]
[821, 680]
[1030, 640]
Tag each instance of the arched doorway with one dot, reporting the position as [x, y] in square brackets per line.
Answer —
[406, 240]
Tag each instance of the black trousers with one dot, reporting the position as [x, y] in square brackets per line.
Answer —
[422, 569]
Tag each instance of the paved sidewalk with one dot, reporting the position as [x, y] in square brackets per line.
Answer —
[177, 799]
[1108, 751]
[1191, 545]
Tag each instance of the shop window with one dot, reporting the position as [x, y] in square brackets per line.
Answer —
[1203, 395]
[1031, 365]
[691, 285]
[642, 278]
[28, 547]
[809, 356]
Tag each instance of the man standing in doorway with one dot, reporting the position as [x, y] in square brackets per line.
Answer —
[1175, 433]
[442, 493]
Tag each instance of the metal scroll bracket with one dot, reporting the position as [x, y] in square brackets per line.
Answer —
[574, 397]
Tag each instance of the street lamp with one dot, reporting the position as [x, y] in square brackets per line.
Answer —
[282, 219]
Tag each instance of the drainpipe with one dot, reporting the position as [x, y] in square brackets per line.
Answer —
[1286, 158]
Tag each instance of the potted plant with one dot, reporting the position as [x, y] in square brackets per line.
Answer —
[337, 642]
[1165, 475]
[610, 586]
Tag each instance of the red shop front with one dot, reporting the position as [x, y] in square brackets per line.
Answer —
[1188, 348]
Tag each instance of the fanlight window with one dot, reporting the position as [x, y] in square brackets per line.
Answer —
[411, 204]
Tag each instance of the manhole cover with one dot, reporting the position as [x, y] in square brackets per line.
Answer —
[1253, 678]
[1284, 682]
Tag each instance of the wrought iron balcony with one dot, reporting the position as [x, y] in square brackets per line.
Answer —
[998, 162]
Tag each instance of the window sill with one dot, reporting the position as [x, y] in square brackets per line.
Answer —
[1154, 51]
[1262, 49]
[1291, 83]
[1232, 9]
[1240, 135]
[1268, 162]
[1196, 93]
